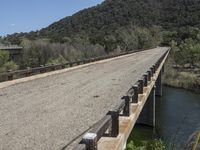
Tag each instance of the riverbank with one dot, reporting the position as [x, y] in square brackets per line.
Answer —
[184, 78]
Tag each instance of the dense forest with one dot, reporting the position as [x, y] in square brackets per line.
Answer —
[105, 19]
[115, 26]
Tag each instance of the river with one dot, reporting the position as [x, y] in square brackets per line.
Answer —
[177, 117]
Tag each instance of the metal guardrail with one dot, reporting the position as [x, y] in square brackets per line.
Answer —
[109, 125]
[11, 75]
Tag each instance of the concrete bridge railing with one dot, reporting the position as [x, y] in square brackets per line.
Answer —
[109, 126]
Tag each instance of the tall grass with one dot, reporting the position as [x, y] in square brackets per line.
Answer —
[181, 79]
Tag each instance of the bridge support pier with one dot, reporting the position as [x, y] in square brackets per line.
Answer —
[159, 85]
[147, 116]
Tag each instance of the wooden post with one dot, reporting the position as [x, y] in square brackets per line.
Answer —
[141, 86]
[145, 79]
[63, 66]
[157, 65]
[149, 75]
[152, 71]
[10, 77]
[135, 95]
[115, 123]
[126, 111]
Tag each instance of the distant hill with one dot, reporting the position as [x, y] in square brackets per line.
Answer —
[104, 19]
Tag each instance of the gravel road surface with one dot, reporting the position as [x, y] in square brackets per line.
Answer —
[47, 113]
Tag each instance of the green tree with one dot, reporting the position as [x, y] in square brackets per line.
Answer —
[4, 57]
[127, 39]
[144, 38]
[168, 37]
[191, 51]
[59, 60]
[110, 43]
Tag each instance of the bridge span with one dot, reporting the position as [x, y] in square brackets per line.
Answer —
[14, 51]
[54, 110]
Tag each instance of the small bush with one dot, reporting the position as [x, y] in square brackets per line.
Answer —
[10, 65]
[56, 61]
[5, 63]
[156, 144]
[131, 146]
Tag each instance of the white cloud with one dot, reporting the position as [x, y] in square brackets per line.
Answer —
[12, 24]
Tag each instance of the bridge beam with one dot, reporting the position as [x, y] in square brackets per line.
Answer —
[159, 85]
[147, 116]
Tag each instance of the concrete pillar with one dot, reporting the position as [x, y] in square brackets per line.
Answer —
[90, 139]
[147, 116]
[159, 85]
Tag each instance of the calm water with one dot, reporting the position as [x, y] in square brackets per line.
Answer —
[177, 117]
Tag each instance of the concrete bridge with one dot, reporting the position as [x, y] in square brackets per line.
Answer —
[90, 106]
[14, 51]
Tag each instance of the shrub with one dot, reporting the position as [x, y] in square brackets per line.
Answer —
[10, 65]
[156, 144]
[5, 63]
[56, 61]
[4, 57]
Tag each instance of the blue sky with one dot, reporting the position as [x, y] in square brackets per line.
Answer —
[28, 15]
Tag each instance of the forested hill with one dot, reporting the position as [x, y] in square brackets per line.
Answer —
[96, 22]
[115, 26]
[105, 18]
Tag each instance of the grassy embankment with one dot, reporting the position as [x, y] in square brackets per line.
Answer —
[181, 77]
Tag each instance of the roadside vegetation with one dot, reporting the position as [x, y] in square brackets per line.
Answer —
[43, 51]
[181, 78]
[156, 144]
[183, 65]
[182, 68]
[5, 63]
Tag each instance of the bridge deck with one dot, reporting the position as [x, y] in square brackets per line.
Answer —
[47, 113]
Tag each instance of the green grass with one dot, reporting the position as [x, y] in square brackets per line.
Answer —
[181, 79]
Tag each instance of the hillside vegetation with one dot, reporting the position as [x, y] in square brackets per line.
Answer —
[5, 63]
[98, 22]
